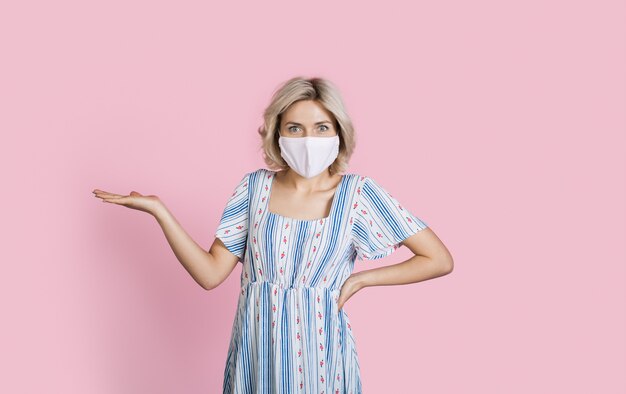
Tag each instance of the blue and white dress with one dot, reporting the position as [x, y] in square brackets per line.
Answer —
[288, 335]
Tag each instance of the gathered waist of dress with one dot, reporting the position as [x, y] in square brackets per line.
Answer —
[285, 287]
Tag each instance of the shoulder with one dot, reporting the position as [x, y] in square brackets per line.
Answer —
[258, 178]
[369, 181]
[259, 173]
[354, 183]
[358, 179]
[370, 188]
[355, 177]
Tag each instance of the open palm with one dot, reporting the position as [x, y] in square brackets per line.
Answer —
[134, 200]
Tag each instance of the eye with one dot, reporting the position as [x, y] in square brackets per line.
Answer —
[325, 127]
[290, 128]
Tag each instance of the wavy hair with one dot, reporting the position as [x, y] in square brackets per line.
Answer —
[295, 89]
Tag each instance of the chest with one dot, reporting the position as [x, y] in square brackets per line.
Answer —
[300, 206]
[282, 231]
[287, 203]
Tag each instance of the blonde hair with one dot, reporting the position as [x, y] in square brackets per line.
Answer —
[295, 89]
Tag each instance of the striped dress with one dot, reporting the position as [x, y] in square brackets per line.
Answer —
[288, 335]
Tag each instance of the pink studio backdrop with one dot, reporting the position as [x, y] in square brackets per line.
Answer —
[501, 124]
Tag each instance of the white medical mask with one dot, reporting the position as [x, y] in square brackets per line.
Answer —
[309, 156]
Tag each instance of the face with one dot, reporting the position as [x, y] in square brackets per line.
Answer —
[307, 118]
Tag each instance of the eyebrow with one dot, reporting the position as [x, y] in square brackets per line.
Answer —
[298, 124]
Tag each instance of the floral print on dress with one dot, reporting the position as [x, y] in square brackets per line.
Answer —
[380, 222]
[288, 335]
[233, 227]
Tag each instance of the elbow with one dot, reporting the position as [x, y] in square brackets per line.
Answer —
[207, 278]
[208, 286]
[445, 264]
[448, 266]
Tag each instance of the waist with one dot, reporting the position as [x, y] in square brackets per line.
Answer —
[285, 287]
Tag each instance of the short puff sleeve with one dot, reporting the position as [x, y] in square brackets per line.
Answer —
[233, 226]
[380, 222]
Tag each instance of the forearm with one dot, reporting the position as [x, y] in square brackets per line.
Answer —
[194, 259]
[416, 269]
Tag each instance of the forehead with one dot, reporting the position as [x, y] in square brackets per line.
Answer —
[306, 111]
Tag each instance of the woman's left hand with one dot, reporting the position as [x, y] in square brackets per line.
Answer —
[350, 286]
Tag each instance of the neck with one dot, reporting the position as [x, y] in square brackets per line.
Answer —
[299, 182]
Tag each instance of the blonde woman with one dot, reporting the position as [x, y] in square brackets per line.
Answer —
[297, 228]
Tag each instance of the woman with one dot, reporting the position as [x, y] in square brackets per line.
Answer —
[297, 229]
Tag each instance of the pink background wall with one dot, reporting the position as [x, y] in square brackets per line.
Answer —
[501, 124]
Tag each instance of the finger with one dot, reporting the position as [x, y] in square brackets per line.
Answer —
[103, 193]
[116, 200]
[108, 195]
[98, 191]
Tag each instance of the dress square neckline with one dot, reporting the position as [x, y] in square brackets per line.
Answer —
[324, 219]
